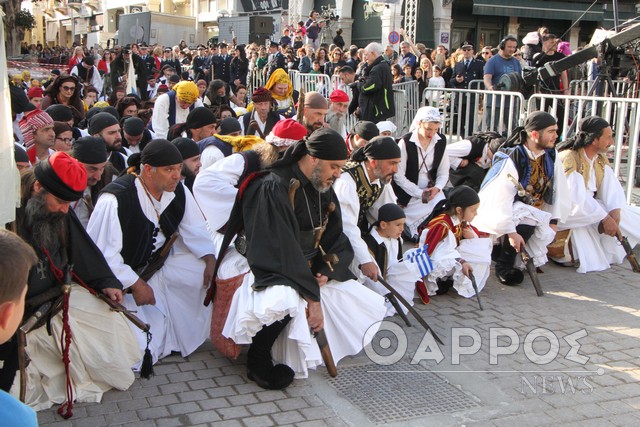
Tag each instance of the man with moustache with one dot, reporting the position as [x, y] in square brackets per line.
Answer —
[315, 108]
[363, 187]
[337, 114]
[263, 116]
[38, 135]
[191, 163]
[601, 207]
[91, 152]
[107, 127]
[524, 196]
[104, 346]
[288, 279]
[135, 217]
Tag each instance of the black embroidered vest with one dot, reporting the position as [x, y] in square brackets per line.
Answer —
[368, 194]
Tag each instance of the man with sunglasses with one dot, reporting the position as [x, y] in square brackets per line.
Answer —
[465, 71]
[487, 53]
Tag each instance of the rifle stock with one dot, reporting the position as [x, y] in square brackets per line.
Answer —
[631, 257]
[115, 306]
[472, 277]
[325, 351]
[531, 269]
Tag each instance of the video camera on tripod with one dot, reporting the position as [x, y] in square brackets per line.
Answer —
[328, 14]
[605, 50]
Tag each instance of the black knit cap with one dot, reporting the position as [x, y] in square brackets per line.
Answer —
[366, 130]
[160, 152]
[539, 120]
[327, 144]
[382, 148]
[101, 121]
[60, 113]
[20, 154]
[462, 196]
[90, 150]
[133, 126]
[229, 125]
[187, 147]
[390, 212]
[200, 117]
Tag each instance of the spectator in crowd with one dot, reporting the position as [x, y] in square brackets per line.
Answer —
[65, 90]
[64, 137]
[376, 90]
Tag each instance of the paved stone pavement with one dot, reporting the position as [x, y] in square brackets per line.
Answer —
[208, 389]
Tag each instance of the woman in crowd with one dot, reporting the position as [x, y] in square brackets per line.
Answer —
[128, 106]
[64, 137]
[239, 68]
[65, 90]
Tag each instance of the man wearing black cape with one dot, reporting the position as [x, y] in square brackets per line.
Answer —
[300, 258]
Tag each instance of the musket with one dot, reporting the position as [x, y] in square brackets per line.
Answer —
[320, 336]
[157, 261]
[396, 305]
[129, 314]
[531, 269]
[631, 257]
[412, 310]
[23, 357]
[475, 288]
[253, 124]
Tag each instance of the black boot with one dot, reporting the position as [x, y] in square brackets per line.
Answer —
[444, 285]
[506, 273]
[259, 363]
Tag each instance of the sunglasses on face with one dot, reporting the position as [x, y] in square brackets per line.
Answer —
[68, 88]
[486, 53]
[467, 49]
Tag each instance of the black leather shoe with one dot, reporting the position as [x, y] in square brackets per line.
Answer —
[511, 277]
[277, 378]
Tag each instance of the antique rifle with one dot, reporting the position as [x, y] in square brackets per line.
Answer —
[531, 269]
[320, 336]
[475, 288]
[157, 260]
[631, 257]
[412, 310]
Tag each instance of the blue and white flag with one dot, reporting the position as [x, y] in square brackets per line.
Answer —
[420, 257]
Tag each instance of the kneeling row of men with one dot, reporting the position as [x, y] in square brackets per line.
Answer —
[290, 254]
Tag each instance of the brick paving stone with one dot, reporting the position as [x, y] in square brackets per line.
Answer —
[243, 399]
[216, 403]
[167, 399]
[166, 368]
[203, 417]
[263, 408]
[169, 422]
[152, 413]
[192, 366]
[202, 384]
[208, 373]
[116, 396]
[249, 387]
[221, 391]
[316, 413]
[140, 424]
[624, 420]
[314, 423]
[144, 392]
[97, 421]
[122, 417]
[226, 423]
[616, 407]
[313, 401]
[183, 408]
[270, 395]
[229, 380]
[173, 388]
[261, 421]
[190, 396]
[133, 404]
[101, 409]
[335, 422]
[238, 412]
[287, 417]
[182, 376]
[291, 403]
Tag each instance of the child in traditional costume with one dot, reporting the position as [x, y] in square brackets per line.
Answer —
[455, 247]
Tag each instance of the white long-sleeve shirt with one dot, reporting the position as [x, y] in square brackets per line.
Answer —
[105, 230]
[345, 188]
[442, 177]
[160, 118]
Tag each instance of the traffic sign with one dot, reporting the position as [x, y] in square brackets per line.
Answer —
[394, 37]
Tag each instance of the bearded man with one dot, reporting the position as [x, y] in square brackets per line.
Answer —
[337, 114]
[103, 348]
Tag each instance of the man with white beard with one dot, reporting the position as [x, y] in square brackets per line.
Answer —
[337, 114]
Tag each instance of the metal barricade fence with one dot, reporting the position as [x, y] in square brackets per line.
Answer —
[314, 83]
[402, 120]
[476, 85]
[255, 80]
[623, 88]
[412, 96]
[622, 113]
[466, 111]
[293, 77]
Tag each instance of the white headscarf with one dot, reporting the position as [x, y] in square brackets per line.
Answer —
[425, 114]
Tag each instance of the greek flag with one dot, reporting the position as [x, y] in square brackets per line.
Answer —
[420, 257]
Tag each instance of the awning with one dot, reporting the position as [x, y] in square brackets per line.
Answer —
[538, 9]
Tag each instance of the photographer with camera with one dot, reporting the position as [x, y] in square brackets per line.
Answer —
[555, 85]
[313, 29]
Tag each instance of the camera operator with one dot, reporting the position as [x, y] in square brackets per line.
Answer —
[313, 29]
[552, 85]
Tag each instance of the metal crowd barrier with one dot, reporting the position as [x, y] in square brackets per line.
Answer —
[466, 111]
[622, 113]
[412, 99]
[623, 88]
[255, 80]
[313, 83]
[293, 77]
